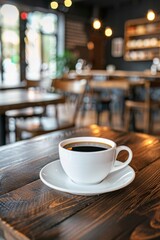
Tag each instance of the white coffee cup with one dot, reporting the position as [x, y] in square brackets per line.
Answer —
[90, 167]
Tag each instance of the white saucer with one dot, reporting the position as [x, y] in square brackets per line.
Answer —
[54, 176]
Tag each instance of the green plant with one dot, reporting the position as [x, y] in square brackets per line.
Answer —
[65, 62]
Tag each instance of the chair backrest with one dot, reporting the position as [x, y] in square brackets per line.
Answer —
[32, 83]
[109, 84]
[73, 90]
[70, 86]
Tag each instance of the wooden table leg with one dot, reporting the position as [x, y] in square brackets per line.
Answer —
[2, 130]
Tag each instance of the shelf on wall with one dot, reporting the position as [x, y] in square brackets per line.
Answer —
[142, 39]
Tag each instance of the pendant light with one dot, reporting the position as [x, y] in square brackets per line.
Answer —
[151, 15]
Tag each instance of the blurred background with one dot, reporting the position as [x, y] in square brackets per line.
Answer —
[42, 39]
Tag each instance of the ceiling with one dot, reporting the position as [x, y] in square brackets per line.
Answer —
[85, 3]
[88, 4]
[103, 3]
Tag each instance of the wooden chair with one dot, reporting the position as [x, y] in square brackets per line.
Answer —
[102, 98]
[65, 114]
[147, 106]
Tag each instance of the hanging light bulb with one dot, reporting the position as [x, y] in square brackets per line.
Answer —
[108, 32]
[96, 24]
[150, 15]
[54, 5]
[67, 3]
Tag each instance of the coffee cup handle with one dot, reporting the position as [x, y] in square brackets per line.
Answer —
[122, 164]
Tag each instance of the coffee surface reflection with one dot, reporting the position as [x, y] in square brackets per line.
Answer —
[87, 146]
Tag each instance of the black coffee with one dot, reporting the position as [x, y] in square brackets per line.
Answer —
[87, 146]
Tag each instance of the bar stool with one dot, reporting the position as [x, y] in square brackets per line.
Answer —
[101, 99]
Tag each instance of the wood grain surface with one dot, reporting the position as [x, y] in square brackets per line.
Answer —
[20, 98]
[31, 210]
[116, 73]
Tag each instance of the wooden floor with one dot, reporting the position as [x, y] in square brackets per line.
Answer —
[90, 118]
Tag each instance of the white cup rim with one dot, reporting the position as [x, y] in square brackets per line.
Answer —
[85, 139]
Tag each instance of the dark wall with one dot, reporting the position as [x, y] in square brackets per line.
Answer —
[116, 18]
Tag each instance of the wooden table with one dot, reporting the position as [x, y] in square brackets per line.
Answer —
[117, 73]
[31, 210]
[20, 98]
